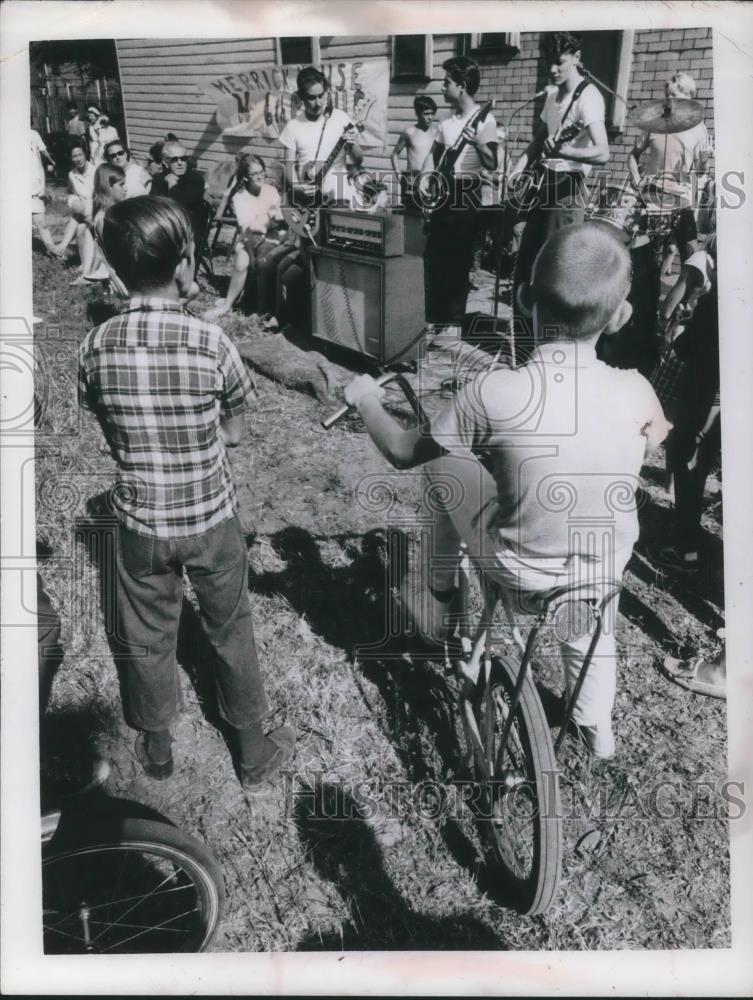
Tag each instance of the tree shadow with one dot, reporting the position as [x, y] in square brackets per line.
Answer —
[345, 852]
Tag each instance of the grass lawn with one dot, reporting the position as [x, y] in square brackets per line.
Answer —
[306, 867]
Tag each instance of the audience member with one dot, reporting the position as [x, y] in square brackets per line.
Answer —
[181, 183]
[257, 210]
[38, 184]
[137, 180]
[81, 188]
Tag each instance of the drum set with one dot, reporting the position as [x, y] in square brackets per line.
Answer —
[647, 214]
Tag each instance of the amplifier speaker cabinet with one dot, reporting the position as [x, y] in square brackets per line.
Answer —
[370, 305]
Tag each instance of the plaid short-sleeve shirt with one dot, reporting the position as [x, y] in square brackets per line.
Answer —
[160, 380]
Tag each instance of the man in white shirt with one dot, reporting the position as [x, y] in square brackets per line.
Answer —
[562, 201]
[311, 138]
[454, 223]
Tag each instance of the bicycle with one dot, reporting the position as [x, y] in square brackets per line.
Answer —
[119, 878]
[507, 736]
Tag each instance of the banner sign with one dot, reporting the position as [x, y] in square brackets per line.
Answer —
[262, 100]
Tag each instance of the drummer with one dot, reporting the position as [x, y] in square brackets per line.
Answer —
[669, 163]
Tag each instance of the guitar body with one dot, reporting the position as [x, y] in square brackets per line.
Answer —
[435, 186]
[523, 192]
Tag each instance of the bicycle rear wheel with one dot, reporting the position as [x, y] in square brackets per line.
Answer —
[519, 800]
[148, 889]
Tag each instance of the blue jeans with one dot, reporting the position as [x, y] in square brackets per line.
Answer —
[150, 597]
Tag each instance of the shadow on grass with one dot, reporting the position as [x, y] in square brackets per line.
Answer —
[349, 607]
[700, 593]
[98, 536]
[345, 852]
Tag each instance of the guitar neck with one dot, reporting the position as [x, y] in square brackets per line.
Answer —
[326, 166]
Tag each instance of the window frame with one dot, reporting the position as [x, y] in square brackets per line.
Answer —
[474, 43]
[316, 55]
[416, 77]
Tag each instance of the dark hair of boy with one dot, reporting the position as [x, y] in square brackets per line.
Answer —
[144, 239]
[464, 72]
[579, 279]
[422, 102]
[559, 43]
[307, 77]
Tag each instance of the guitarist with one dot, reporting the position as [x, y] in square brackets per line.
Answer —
[466, 147]
[562, 199]
[311, 137]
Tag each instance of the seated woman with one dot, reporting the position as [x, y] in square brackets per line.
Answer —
[81, 188]
[257, 210]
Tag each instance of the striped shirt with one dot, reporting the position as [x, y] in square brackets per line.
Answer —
[160, 381]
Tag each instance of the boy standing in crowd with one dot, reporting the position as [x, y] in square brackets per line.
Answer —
[169, 391]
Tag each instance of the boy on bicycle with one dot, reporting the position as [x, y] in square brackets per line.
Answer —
[566, 435]
[170, 391]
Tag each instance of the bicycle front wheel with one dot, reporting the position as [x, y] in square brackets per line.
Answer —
[150, 889]
[519, 796]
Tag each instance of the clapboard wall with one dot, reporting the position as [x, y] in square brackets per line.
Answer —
[158, 80]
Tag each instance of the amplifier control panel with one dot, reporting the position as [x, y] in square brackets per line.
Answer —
[379, 235]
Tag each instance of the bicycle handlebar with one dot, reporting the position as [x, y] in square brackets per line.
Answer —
[333, 418]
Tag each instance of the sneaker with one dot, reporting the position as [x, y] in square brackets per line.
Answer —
[427, 608]
[673, 558]
[254, 776]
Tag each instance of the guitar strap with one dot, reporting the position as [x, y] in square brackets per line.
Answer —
[576, 94]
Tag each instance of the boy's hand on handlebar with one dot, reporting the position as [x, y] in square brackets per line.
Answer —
[361, 387]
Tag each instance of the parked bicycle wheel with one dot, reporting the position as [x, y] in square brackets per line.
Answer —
[148, 889]
[519, 806]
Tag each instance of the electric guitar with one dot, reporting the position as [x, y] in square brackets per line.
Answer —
[314, 172]
[435, 186]
[524, 189]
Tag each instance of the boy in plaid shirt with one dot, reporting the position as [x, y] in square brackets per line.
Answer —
[169, 391]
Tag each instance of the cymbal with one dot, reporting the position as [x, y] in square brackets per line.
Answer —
[668, 116]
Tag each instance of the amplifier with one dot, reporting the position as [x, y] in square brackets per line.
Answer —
[370, 305]
[360, 232]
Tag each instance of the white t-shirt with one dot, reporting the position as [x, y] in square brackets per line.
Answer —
[255, 211]
[314, 141]
[137, 180]
[587, 109]
[683, 151]
[567, 436]
[450, 128]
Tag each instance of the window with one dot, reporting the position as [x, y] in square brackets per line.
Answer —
[298, 50]
[493, 42]
[607, 56]
[412, 57]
